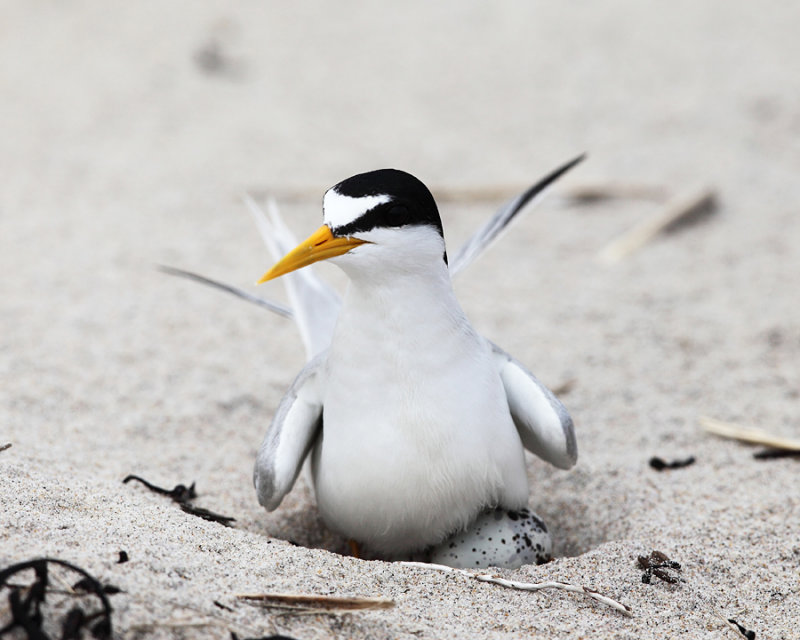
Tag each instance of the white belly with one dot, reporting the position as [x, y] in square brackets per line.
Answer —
[415, 445]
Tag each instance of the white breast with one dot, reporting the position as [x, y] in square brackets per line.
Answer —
[417, 436]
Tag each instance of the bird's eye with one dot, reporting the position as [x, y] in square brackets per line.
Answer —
[397, 216]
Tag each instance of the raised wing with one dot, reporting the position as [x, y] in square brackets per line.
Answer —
[275, 307]
[293, 431]
[541, 420]
[315, 303]
[489, 232]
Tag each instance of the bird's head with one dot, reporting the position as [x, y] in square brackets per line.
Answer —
[376, 222]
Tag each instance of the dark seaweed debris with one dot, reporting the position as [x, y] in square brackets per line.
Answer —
[205, 514]
[659, 464]
[659, 565]
[183, 495]
[26, 603]
[772, 454]
[179, 493]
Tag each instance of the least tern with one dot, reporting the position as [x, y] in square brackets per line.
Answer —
[415, 423]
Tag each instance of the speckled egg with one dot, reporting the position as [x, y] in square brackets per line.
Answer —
[497, 538]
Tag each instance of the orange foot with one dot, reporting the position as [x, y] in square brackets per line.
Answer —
[355, 549]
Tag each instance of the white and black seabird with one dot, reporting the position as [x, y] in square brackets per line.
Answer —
[415, 423]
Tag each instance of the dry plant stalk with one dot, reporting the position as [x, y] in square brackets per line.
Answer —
[318, 602]
[485, 193]
[5, 446]
[674, 212]
[525, 586]
[480, 193]
[598, 191]
[748, 434]
[579, 193]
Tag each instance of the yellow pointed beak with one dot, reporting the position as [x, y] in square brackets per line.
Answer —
[320, 245]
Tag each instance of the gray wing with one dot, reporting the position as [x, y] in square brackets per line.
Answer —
[291, 435]
[541, 420]
[492, 228]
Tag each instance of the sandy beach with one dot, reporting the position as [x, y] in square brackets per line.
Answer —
[131, 133]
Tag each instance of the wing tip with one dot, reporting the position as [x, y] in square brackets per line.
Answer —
[264, 482]
[542, 184]
[568, 426]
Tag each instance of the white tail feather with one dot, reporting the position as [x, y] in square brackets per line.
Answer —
[314, 303]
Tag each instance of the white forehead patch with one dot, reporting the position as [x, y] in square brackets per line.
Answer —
[339, 210]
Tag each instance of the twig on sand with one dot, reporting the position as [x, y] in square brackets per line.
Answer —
[5, 446]
[525, 586]
[326, 603]
[678, 210]
[748, 434]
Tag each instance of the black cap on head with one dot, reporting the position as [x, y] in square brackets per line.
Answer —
[411, 203]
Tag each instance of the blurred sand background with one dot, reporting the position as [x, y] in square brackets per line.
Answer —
[130, 132]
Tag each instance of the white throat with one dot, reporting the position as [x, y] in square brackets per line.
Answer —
[410, 388]
[408, 305]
